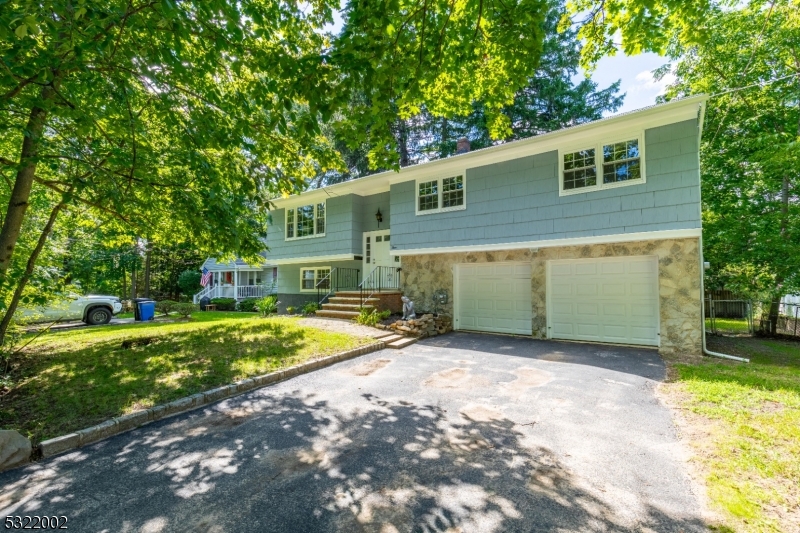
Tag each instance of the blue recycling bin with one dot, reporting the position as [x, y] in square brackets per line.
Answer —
[145, 310]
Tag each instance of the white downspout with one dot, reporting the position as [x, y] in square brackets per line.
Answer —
[706, 351]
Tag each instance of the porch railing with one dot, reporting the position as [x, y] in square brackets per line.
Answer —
[337, 279]
[381, 278]
[242, 291]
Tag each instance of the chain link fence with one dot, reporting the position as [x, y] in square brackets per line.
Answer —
[728, 315]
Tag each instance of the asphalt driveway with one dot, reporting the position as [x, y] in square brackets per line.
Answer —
[463, 432]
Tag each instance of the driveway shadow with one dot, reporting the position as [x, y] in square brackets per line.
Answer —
[643, 362]
[294, 462]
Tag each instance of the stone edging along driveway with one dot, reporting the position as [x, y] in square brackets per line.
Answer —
[120, 424]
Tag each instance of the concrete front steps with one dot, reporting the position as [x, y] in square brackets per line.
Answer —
[394, 340]
[347, 304]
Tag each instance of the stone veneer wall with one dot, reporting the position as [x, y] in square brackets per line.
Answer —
[678, 270]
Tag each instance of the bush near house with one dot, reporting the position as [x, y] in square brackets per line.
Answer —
[224, 304]
[267, 305]
[165, 307]
[248, 305]
[186, 309]
[310, 308]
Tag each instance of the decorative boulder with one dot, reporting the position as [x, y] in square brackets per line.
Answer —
[15, 449]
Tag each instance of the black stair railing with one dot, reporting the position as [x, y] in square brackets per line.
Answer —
[338, 279]
[381, 278]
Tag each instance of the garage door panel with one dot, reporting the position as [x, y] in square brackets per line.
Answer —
[586, 289]
[613, 289]
[562, 270]
[494, 297]
[562, 289]
[612, 267]
[615, 309]
[585, 269]
[604, 300]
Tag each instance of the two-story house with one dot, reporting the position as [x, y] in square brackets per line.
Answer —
[590, 233]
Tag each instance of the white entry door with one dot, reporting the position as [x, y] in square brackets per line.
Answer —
[612, 299]
[376, 249]
[493, 297]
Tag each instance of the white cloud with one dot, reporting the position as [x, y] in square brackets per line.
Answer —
[644, 82]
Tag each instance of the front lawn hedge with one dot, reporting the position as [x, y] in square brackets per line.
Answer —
[224, 304]
[248, 305]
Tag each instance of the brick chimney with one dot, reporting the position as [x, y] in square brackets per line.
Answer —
[462, 145]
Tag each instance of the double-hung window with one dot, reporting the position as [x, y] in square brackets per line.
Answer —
[305, 221]
[310, 277]
[441, 194]
[602, 166]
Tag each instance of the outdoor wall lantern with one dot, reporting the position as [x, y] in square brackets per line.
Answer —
[379, 216]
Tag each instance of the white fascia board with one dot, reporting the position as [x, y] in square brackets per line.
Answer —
[643, 119]
[553, 243]
[314, 259]
[224, 267]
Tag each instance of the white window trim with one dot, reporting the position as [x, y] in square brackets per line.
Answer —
[314, 268]
[295, 207]
[598, 163]
[440, 209]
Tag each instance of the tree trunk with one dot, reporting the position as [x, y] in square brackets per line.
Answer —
[26, 276]
[124, 283]
[18, 202]
[402, 142]
[133, 280]
[147, 271]
[774, 308]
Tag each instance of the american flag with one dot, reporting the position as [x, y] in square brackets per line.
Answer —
[206, 277]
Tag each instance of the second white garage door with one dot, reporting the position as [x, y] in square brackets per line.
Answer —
[494, 297]
[604, 300]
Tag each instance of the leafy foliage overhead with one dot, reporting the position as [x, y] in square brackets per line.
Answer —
[750, 154]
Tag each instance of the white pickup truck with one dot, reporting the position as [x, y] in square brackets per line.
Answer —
[93, 309]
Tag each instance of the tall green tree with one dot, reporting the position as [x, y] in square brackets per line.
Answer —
[182, 116]
[750, 152]
[550, 100]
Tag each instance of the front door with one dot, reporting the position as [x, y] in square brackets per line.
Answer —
[376, 254]
[376, 250]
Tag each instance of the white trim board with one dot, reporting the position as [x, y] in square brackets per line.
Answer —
[553, 243]
[642, 119]
[314, 259]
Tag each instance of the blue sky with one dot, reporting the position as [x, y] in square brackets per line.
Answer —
[637, 81]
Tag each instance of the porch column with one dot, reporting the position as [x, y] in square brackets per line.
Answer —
[235, 282]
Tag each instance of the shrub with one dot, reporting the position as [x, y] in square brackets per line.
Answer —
[290, 310]
[166, 306]
[309, 308]
[186, 309]
[267, 305]
[370, 317]
[224, 304]
[189, 281]
[248, 305]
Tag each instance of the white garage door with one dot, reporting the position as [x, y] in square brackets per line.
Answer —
[494, 297]
[604, 300]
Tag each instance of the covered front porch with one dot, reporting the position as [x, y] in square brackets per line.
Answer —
[239, 282]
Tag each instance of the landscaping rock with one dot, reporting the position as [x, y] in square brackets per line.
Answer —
[15, 449]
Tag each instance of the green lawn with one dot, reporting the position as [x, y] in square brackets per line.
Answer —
[73, 379]
[729, 325]
[753, 412]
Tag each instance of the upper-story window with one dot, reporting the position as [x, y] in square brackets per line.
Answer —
[602, 166]
[441, 194]
[305, 221]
